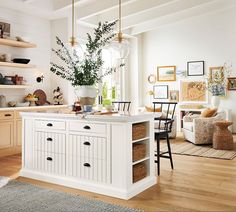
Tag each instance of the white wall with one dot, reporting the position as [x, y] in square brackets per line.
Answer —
[38, 30]
[210, 37]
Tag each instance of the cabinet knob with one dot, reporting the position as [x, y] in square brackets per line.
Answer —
[49, 139]
[49, 158]
[87, 143]
[87, 127]
[7, 114]
[87, 165]
[49, 124]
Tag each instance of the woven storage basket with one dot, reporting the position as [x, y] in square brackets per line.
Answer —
[139, 151]
[139, 131]
[139, 172]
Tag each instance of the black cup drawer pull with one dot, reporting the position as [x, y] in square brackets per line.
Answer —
[7, 114]
[49, 124]
[87, 165]
[49, 139]
[87, 143]
[49, 158]
[87, 127]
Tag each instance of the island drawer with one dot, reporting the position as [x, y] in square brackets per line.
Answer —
[89, 169]
[50, 124]
[96, 128]
[88, 146]
[6, 115]
[50, 142]
[50, 162]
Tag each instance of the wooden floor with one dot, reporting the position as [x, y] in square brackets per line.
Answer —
[196, 184]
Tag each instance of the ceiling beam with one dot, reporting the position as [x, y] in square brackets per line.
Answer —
[203, 9]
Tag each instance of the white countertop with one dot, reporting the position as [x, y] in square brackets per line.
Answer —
[33, 107]
[117, 117]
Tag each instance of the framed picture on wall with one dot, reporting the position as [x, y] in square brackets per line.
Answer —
[195, 68]
[232, 84]
[5, 30]
[174, 95]
[193, 92]
[166, 73]
[160, 92]
[216, 72]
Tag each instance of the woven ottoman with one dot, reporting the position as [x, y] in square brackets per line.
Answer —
[222, 137]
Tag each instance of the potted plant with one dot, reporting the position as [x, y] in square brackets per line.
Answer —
[84, 71]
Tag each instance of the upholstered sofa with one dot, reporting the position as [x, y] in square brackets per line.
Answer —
[199, 130]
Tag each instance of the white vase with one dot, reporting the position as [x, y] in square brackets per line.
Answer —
[215, 101]
[86, 94]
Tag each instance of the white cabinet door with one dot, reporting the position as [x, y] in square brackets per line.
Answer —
[88, 157]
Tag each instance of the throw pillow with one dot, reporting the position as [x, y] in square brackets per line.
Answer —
[151, 109]
[207, 113]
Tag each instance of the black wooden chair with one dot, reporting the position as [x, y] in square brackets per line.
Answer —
[121, 105]
[163, 126]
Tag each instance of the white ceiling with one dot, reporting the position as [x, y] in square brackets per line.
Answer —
[138, 15]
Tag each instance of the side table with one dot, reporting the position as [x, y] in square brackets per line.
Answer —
[222, 137]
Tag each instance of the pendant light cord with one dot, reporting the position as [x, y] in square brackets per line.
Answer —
[73, 18]
[120, 16]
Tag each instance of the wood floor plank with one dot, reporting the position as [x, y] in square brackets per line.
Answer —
[196, 184]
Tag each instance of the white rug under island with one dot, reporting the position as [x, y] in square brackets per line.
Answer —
[92, 153]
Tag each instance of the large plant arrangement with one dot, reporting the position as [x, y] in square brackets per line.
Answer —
[85, 69]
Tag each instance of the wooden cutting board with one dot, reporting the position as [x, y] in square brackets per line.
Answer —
[42, 97]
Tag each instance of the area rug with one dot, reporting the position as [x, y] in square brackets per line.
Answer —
[18, 197]
[186, 148]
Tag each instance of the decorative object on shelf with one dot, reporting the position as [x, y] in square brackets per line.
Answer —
[22, 104]
[8, 80]
[195, 68]
[40, 78]
[5, 29]
[5, 57]
[31, 98]
[23, 39]
[57, 96]
[166, 73]
[193, 91]
[160, 92]
[3, 102]
[42, 97]
[174, 95]
[1, 79]
[218, 82]
[232, 83]
[21, 60]
[87, 108]
[17, 80]
[12, 103]
[84, 72]
[152, 79]
[150, 93]
[120, 43]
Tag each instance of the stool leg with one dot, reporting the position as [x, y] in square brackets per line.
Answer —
[158, 155]
[169, 150]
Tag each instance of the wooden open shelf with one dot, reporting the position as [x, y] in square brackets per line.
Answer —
[16, 65]
[18, 44]
[14, 86]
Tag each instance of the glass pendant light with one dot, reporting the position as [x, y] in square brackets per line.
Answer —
[121, 44]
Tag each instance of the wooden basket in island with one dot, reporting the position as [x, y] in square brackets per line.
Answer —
[139, 131]
[139, 171]
[139, 151]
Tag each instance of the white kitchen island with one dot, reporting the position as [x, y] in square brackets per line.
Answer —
[92, 153]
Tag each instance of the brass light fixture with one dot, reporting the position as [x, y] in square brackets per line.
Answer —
[121, 44]
[73, 41]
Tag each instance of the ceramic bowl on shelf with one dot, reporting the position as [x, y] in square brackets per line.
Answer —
[21, 60]
[22, 104]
